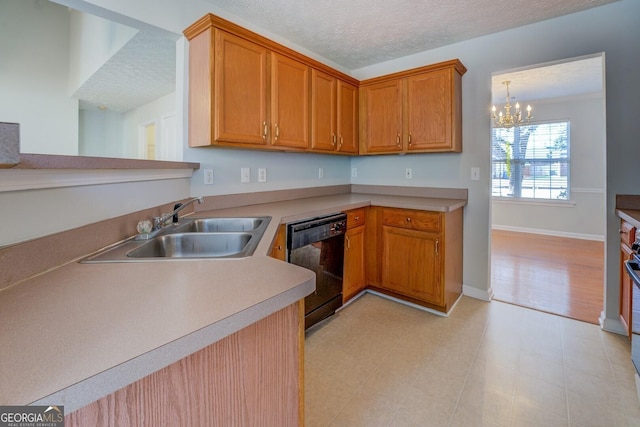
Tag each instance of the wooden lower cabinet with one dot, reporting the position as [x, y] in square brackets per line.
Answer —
[354, 279]
[627, 237]
[252, 377]
[420, 256]
[410, 264]
[279, 245]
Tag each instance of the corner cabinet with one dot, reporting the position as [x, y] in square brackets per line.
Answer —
[334, 114]
[420, 256]
[246, 91]
[418, 110]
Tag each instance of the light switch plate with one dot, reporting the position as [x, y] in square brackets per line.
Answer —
[354, 172]
[208, 176]
[245, 175]
[262, 174]
[475, 173]
[408, 173]
[320, 173]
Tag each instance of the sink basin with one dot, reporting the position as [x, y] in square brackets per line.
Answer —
[193, 238]
[213, 225]
[193, 245]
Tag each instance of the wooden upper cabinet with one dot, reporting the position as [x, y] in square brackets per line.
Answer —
[347, 118]
[424, 105]
[323, 111]
[289, 102]
[429, 115]
[240, 100]
[334, 114]
[248, 91]
[381, 117]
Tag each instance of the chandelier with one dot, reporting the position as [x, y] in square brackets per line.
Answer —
[507, 119]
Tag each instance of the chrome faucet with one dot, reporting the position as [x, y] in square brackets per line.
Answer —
[158, 221]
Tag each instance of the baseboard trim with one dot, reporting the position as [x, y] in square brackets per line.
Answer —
[611, 325]
[410, 304]
[481, 294]
[556, 233]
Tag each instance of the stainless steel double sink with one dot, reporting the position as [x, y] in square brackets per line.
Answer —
[196, 238]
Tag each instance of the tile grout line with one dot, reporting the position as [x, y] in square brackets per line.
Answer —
[466, 379]
[564, 373]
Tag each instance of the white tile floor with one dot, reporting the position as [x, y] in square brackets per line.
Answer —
[381, 363]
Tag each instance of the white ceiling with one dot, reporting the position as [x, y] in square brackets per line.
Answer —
[352, 34]
[576, 77]
[358, 33]
[143, 70]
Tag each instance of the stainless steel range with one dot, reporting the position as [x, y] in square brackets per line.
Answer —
[318, 244]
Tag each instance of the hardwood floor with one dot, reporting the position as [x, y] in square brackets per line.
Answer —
[553, 274]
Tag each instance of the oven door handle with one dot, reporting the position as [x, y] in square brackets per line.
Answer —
[633, 269]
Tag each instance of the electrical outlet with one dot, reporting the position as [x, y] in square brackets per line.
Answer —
[245, 175]
[408, 173]
[475, 173]
[208, 176]
[354, 172]
[262, 174]
[320, 173]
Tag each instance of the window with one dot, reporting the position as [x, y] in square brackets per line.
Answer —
[531, 162]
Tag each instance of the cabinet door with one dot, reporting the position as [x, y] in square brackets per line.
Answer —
[429, 115]
[354, 277]
[626, 289]
[411, 264]
[347, 118]
[323, 111]
[278, 249]
[381, 117]
[289, 102]
[240, 94]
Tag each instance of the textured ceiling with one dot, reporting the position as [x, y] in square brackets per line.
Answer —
[582, 76]
[358, 33]
[352, 34]
[142, 71]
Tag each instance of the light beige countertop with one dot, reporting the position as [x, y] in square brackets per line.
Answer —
[81, 331]
[630, 215]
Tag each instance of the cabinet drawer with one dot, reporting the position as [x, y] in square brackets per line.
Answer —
[412, 219]
[627, 232]
[355, 218]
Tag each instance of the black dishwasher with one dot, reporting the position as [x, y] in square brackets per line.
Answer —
[318, 244]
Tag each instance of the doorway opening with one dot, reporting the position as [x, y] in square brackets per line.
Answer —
[548, 206]
[147, 141]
